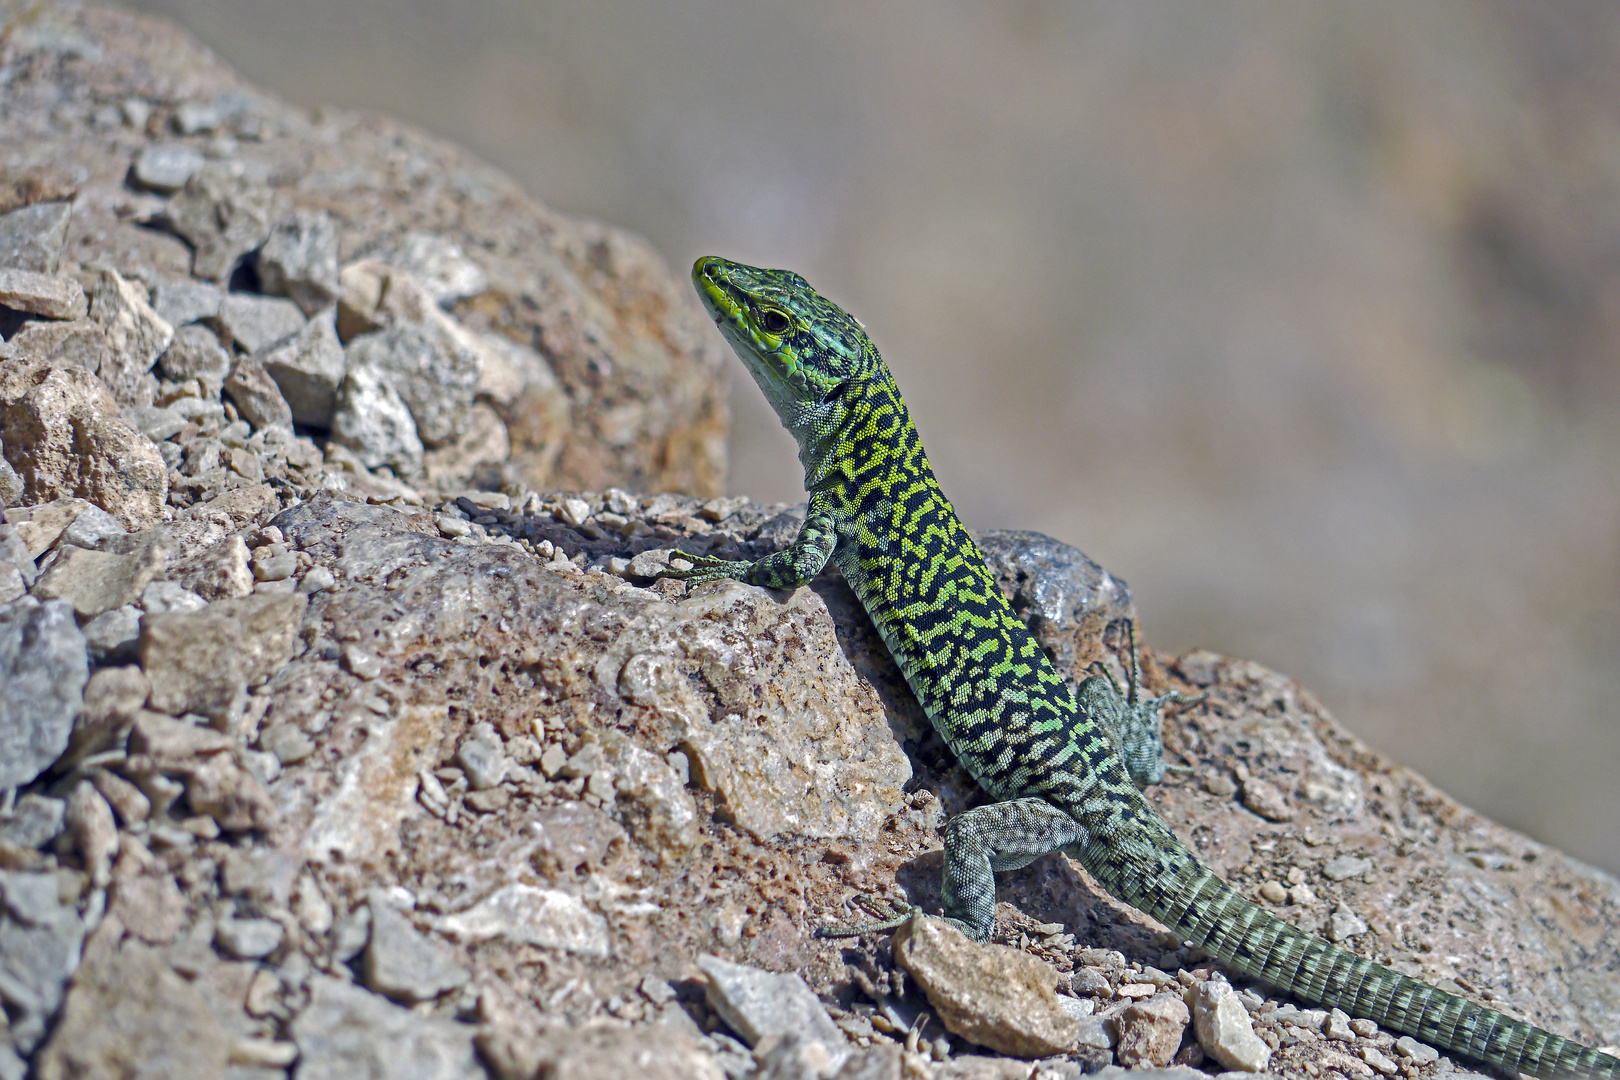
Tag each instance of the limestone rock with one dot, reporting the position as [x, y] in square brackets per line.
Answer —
[64, 435]
[300, 260]
[988, 994]
[1150, 1031]
[130, 1017]
[99, 581]
[180, 301]
[403, 964]
[759, 1004]
[346, 1032]
[258, 399]
[370, 418]
[223, 216]
[528, 915]
[195, 353]
[42, 294]
[40, 939]
[165, 167]
[79, 344]
[136, 336]
[253, 322]
[199, 662]
[43, 666]
[32, 237]
[1224, 1028]
[308, 367]
[434, 374]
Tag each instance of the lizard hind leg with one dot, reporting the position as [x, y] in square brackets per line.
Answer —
[979, 842]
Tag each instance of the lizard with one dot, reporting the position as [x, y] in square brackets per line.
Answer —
[1048, 752]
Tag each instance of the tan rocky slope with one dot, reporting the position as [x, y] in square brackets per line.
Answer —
[346, 729]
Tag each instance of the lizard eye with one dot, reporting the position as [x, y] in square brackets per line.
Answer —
[773, 322]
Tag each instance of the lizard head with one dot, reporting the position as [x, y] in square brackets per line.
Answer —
[799, 346]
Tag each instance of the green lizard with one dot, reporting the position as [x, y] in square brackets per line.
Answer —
[1048, 752]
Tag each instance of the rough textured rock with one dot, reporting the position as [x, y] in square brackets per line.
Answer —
[258, 399]
[199, 662]
[32, 237]
[1150, 1031]
[64, 435]
[136, 336]
[308, 367]
[759, 1004]
[299, 260]
[98, 581]
[223, 215]
[346, 1032]
[44, 668]
[990, 995]
[122, 1017]
[49, 295]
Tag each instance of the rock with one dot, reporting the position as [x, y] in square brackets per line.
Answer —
[165, 168]
[759, 1004]
[258, 399]
[274, 562]
[112, 698]
[44, 667]
[223, 216]
[988, 994]
[1150, 1031]
[529, 915]
[434, 374]
[228, 793]
[289, 744]
[518, 1051]
[42, 294]
[346, 1032]
[33, 822]
[254, 322]
[40, 940]
[197, 354]
[1419, 1053]
[445, 272]
[481, 451]
[215, 573]
[95, 833]
[150, 906]
[199, 662]
[91, 528]
[79, 344]
[127, 801]
[1345, 924]
[1266, 799]
[130, 1017]
[300, 260]
[248, 939]
[1337, 1027]
[136, 336]
[1344, 867]
[404, 965]
[308, 367]
[371, 419]
[1066, 599]
[111, 636]
[181, 301]
[98, 581]
[32, 237]
[14, 549]
[64, 435]
[164, 596]
[482, 757]
[1225, 1029]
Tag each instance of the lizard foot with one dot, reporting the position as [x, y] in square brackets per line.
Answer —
[706, 568]
[890, 915]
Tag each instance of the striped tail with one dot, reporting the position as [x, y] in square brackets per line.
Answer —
[1188, 897]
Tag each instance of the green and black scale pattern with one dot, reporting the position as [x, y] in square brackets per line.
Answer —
[1049, 752]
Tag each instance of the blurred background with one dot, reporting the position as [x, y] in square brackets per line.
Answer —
[1304, 319]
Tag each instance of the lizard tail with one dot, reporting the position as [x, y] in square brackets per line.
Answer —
[1181, 892]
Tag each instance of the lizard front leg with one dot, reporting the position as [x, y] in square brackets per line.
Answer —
[789, 568]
